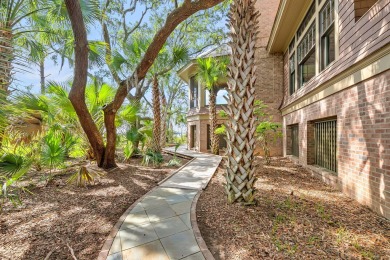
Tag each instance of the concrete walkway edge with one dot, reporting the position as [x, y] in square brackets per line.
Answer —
[181, 179]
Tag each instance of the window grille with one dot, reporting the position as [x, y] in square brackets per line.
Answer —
[326, 144]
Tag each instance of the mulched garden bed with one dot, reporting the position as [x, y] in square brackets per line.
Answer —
[297, 217]
[60, 218]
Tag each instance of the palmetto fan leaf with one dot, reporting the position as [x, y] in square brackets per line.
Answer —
[11, 164]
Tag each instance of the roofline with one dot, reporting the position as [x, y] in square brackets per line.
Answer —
[288, 18]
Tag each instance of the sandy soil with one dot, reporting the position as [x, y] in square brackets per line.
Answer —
[296, 217]
[59, 218]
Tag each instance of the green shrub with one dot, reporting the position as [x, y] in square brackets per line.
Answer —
[151, 157]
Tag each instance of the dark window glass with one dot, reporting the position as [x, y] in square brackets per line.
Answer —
[307, 68]
[306, 20]
[327, 34]
[307, 43]
[327, 49]
[292, 73]
[295, 140]
[193, 93]
[291, 46]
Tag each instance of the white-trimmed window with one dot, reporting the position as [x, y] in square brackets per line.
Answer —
[313, 47]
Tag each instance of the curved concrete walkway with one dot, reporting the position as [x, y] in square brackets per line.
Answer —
[158, 226]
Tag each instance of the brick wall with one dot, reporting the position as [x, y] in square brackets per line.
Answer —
[363, 139]
[269, 84]
[362, 111]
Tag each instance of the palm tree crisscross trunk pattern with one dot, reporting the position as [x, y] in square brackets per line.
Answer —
[242, 124]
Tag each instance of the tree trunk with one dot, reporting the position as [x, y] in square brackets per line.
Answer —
[156, 116]
[42, 74]
[77, 92]
[6, 57]
[109, 155]
[163, 138]
[242, 124]
[213, 123]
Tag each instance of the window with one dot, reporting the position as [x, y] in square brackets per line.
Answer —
[193, 92]
[325, 138]
[292, 74]
[295, 140]
[306, 56]
[313, 46]
[327, 34]
[362, 6]
[292, 66]
[306, 20]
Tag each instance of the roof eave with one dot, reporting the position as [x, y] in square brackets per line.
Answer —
[289, 16]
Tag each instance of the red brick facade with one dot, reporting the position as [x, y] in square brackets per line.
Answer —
[269, 83]
[363, 139]
[362, 110]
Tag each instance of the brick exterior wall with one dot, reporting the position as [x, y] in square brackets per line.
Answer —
[363, 139]
[362, 111]
[269, 84]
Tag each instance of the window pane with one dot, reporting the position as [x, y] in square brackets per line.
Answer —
[306, 20]
[193, 92]
[307, 68]
[307, 43]
[292, 73]
[291, 46]
[327, 49]
[327, 16]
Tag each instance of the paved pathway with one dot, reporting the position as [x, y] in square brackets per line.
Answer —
[159, 226]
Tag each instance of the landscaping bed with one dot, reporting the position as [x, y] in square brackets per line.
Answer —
[58, 219]
[297, 216]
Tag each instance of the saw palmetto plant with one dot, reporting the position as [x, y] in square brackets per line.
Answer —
[241, 127]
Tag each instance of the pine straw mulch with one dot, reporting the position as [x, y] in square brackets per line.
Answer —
[60, 218]
[297, 217]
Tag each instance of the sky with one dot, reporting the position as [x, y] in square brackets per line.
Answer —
[30, 79]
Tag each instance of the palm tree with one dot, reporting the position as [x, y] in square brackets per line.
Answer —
[210, 71]
[241, 127]
[17, 17]
[35, 25]
[165, 62]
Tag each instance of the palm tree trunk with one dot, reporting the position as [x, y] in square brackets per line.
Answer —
[6, 56]
[163, 138]
[241, 127]
[213, 123]
[157, 116]
[42, 74]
